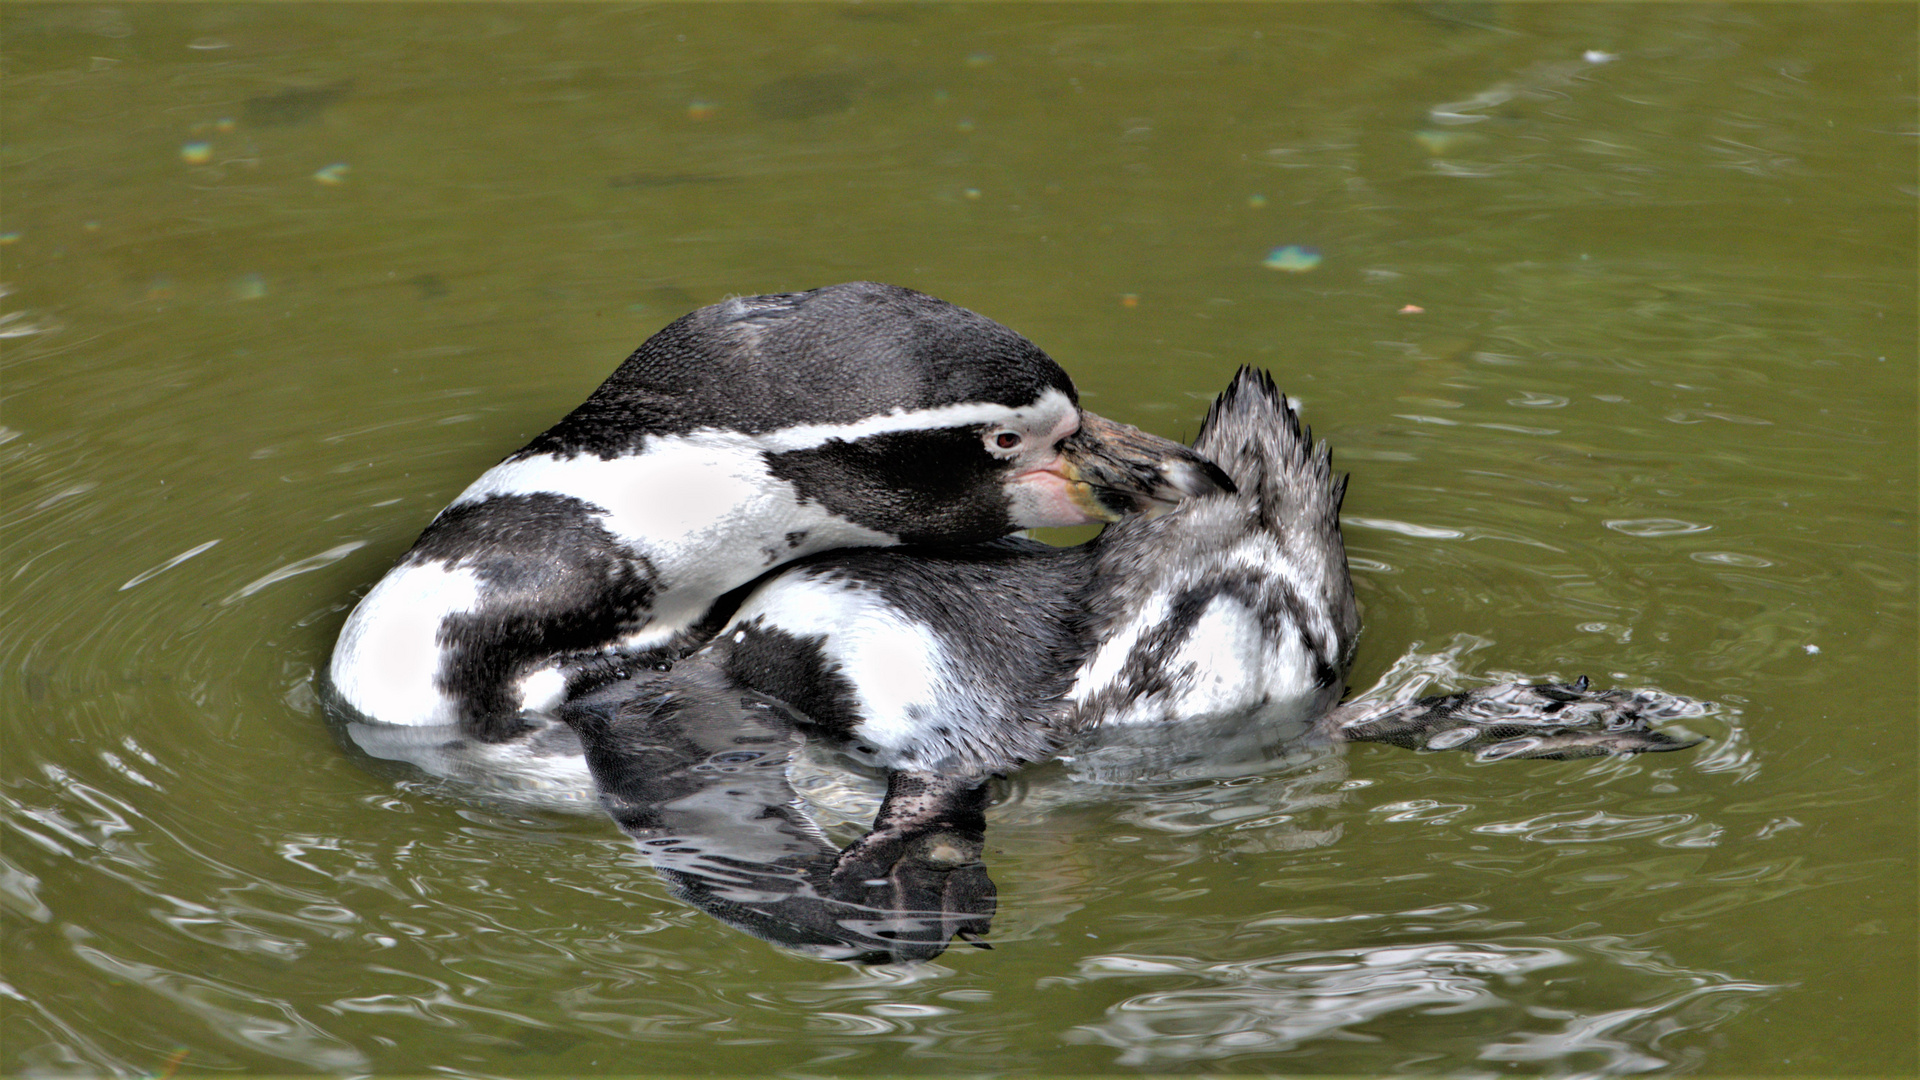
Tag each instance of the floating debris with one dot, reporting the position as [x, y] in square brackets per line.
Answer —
[1293, 258]
[197, 153]
[1595, 56]
[1129, 300]
[1413, 309]
[332, 175]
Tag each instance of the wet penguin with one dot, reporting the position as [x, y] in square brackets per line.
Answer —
[744, 435]
[975, 660]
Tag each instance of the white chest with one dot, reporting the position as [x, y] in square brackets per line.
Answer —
[903, 685]
[1231, 657]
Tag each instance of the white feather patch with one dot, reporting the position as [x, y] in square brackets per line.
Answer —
[1104, 668]
[698, 507]
[894, 664]
[389, 654]
[1046, 412]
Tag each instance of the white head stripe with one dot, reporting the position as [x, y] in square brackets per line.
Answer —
[808, 436]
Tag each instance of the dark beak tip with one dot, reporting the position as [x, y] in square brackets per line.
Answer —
[1193, 476]
[1221, 481]
[1133, 465]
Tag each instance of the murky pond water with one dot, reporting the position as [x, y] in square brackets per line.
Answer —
[1609, 310]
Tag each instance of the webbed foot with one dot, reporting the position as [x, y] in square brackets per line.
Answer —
[899, 893]
[694, 769]
[921, 877]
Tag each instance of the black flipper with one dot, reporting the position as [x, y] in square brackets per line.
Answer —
[694, 769]
[1550, 720]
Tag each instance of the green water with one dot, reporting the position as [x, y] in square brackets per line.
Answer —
[284, 278]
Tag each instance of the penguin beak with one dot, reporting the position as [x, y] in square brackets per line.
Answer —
[1112, 470]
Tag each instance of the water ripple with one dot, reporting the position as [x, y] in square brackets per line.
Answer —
[1240, 1014]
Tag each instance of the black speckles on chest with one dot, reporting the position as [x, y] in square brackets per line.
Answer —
[1279, 610]
[774, 554]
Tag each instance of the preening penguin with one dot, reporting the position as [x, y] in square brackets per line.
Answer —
[1233, 612]
[744, 435]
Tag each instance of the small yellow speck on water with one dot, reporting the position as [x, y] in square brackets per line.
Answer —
[172, 1063]
[197, 153]
[1256, 202]
[701, 110]
[1129, 299]
[332, 175]
[9, 238]
[971, 193]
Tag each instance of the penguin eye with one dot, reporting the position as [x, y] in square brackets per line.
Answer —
[1005, 440]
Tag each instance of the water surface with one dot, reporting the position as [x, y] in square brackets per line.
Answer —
[1612, 321]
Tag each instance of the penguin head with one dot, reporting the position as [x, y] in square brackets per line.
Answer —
[897, 411]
